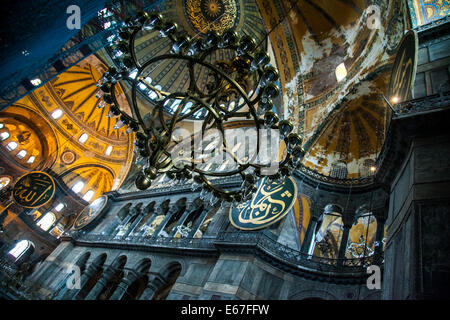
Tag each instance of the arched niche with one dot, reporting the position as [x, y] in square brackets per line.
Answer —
[328, 236]
[94, 177]
[361, 241]
[36, 141]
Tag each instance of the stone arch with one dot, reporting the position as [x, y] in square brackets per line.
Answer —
[124, 211]
[361, 241]
[82, 260]
[138, 286]
[177, 212]
[143, 266]
[329, 231]
[135, 289]
[113, 279]
[95, 270]
[148, 212]
[196, 208]
[168, 276]
[163, 207]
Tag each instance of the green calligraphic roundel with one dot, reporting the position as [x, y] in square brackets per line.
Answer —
[90, 213]
[34, 189]
[271, 202]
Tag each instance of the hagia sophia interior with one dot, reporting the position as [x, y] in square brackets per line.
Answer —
[96, 183]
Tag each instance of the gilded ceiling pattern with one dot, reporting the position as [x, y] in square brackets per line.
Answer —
[426, 11]
[81, 142]
[218, 15]
[196, 18]
[314, 38]
[309, 39]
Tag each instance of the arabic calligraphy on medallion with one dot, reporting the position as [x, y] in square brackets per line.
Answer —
[90, 213]
[34, 189]
[404, 69]
[271, 202]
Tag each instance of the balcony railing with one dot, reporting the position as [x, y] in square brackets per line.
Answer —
[425, 104]
[292, 256]
[167, 242]
[248, 240]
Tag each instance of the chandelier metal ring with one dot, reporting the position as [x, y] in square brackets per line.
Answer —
[240, 87]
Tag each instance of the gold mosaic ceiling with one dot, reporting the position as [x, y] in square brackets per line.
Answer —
[196, 17]
[64, 111]
[314, 38]
[309, 39]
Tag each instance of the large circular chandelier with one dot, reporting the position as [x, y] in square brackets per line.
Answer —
[242, 87]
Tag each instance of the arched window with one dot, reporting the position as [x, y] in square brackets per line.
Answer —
[21, 248]
[88, 195]
[366, 169]
[4, 135]
[339, 170]
[361, 241]
[78, 187]
[327, 239]
[57, 114]
[47, 221]
[12, 145]
[31, 159]
[4, 181]
[21, 154]
[108, 150]
[60, 206]
[83, 138]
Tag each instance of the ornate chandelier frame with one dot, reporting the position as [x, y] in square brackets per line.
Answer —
[227, 81]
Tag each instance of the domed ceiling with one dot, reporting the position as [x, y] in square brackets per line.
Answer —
[82, 141]
[313, 40]
[194, 18]
[342, 120]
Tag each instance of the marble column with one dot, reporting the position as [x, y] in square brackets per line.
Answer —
[152, 287]
[343, 246]
[181, 221]
[198, 223]
[163, 224]
[309, 235]
[378, 254]
[123, 285]
[88, 274]
[107, 276]
[134, 224]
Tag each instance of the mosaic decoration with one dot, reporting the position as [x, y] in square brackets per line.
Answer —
[206, 15]
[271, 202]
[426, 11]
[302, 215]
[90, 213]
[34, 189]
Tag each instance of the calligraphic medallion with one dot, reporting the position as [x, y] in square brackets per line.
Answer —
[271, 202]
[206, 15]
[404, 69]
[90, 213]
[34, 189]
